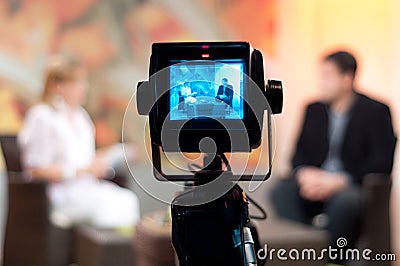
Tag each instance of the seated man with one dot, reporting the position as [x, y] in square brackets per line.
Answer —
[225, 92]
[344, 137]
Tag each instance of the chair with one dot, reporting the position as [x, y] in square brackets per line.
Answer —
[152, 241]
[104, 247]
[376, 233]
[30, 238]
[375, 225]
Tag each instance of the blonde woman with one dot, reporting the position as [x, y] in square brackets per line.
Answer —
[57, 145]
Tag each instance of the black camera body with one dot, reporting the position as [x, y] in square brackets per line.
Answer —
[172, 65]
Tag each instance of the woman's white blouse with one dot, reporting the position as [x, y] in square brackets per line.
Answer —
[65, 138]
[57, 136]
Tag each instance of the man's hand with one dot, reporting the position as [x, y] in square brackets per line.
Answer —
[319, 185]
[222, 96]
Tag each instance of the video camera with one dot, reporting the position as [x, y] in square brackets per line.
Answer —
[206, 90]
[209, 98]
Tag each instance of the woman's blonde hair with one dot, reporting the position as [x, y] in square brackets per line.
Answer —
[60, 69]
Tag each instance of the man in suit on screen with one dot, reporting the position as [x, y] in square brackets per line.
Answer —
[225, 92]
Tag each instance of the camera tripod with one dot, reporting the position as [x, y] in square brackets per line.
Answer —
[218, 232]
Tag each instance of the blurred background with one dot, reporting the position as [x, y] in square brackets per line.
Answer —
[114, 39]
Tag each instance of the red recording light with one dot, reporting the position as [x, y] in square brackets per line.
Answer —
[205, 46]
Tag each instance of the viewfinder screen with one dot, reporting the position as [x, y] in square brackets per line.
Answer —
[206, 90]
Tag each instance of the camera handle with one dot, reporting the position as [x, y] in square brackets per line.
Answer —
[215, 233]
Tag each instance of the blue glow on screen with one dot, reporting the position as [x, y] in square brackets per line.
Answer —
[206, 90]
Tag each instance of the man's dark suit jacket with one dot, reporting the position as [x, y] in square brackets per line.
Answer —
[368, 144]
[228, 91]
